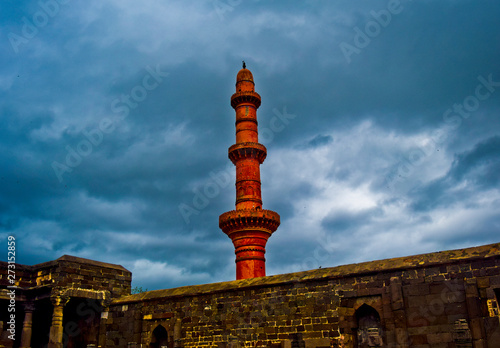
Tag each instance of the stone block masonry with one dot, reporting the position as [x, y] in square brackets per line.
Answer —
[431, 300]
[73, 272]
[444, 299]
[59, 303]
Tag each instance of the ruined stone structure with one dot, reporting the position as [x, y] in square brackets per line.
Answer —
[248, 226]
[445, 299]
[52, 294]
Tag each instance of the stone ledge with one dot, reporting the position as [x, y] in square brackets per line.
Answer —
[365, 268]
[90, 262]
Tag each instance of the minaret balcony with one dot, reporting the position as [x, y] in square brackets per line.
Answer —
[245, 97]
[250, 220]
[247, 150]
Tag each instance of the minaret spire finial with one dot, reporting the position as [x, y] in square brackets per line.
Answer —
[244, 65]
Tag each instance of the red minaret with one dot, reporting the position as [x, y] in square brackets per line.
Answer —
[248, 226]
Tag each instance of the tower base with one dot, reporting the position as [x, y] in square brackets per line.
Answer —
[249, 231]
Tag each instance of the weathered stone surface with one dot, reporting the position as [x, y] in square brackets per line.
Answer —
[309, 308]
[86, 285]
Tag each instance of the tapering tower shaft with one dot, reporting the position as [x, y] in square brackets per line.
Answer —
[248, 226]
[247, 154]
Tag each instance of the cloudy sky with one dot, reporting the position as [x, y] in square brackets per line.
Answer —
[381, 120]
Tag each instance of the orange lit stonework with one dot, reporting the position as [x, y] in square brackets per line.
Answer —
[248, 226]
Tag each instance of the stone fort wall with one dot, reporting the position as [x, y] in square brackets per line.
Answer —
[444, 299]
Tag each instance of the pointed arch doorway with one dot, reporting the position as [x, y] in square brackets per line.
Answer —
[369, 331]
[159, 337]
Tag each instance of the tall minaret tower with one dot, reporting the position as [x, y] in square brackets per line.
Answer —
[248, 226]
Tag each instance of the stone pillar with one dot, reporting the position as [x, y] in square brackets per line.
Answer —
[137, 326]
[401, 338]
[29, 307]
[56, 330]
[177, 333]
[474, 309]
[101, 342]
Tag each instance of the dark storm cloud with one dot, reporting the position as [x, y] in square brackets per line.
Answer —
[472, 171]
[342, 222]
[148, 87]
[318, 140]
[480, 165]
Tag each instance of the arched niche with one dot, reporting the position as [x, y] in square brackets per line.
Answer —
[159, 337]
[369, 330]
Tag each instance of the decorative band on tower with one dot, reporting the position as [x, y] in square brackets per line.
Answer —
[249, 227]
